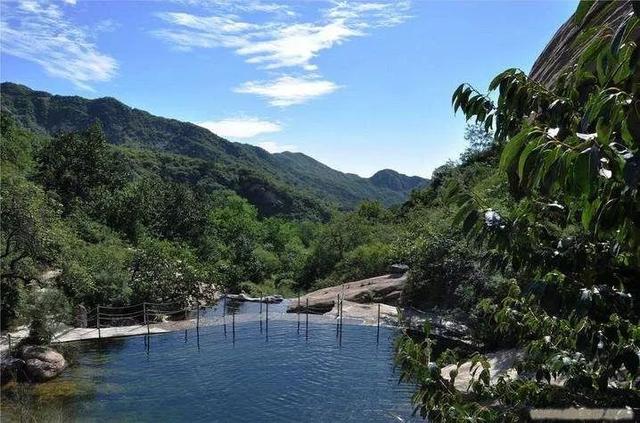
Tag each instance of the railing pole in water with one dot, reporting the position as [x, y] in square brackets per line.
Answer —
[261, 307]
[267, 319]
[341, 316]
[9, 339]
[298, 313]
[224, 313]
[98, 322]
[337, 315]
[378, 333]
[306, 323]
[197, 315]
[146, 319]
[233, 325]
[224, 305]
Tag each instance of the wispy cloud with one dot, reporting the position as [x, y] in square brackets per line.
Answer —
[274, 147]
[241, 127]
[288, 90]
[40, 32]
[251, 6]
[281, 43]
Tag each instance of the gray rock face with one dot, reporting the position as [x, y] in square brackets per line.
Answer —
[42, 363]
[384, 289]
[565, 47]
[398, 268]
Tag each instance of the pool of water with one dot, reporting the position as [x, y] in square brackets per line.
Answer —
[241, 374]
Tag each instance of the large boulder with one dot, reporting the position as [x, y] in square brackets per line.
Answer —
[385, 289]
[42, 363]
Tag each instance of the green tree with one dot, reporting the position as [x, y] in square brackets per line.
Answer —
[570, 239]
[166, 272]
[30, 224]
[76, 166]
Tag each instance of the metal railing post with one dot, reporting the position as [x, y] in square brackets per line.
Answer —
[298, 313]
[341, 317]
[197, 315]
[306, 324]
[98, 322]
[338, 316]
[146, 319]
[378, 333]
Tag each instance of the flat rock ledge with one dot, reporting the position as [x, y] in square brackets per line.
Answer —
[381, 289]
[502, 364]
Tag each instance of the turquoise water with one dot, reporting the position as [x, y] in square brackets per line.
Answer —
[282, 376]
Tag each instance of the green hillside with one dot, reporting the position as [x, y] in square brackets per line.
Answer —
[277, 183]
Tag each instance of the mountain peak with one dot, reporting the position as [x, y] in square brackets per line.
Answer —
[389, 178]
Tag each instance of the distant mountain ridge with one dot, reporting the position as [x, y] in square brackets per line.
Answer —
[388, 178]
[271, 181]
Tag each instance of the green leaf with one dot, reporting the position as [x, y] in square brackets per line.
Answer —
[589, 211]
[512, 149]
[470, 220]
[523, 157]
[619, 36]
[581, 11]
[456, 93]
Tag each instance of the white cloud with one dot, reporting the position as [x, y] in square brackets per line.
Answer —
[39, 32]
[288, 90]
[251, 6]
[278, 42]
[243, 127]
[274, 147]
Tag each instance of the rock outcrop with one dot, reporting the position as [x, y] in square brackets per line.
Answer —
[384, 289]
[271, 299]
[42, 363]
[565, 47]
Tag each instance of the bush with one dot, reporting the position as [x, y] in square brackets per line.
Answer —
[44, 308]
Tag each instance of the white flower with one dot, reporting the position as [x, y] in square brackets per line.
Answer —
[492, 218]
[587, 137]
[605, 172]
[553, 132]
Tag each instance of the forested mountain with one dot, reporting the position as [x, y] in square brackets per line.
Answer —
[279, 184]
[388, 178]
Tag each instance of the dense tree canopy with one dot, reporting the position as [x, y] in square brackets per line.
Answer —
[566, 237]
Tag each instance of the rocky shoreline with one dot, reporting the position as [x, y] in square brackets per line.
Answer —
[33, 363]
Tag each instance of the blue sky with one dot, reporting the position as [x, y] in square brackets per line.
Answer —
[360, 86]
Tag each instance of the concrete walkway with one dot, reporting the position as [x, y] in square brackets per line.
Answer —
[69, 334]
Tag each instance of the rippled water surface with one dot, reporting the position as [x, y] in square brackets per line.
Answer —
[253, 376]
